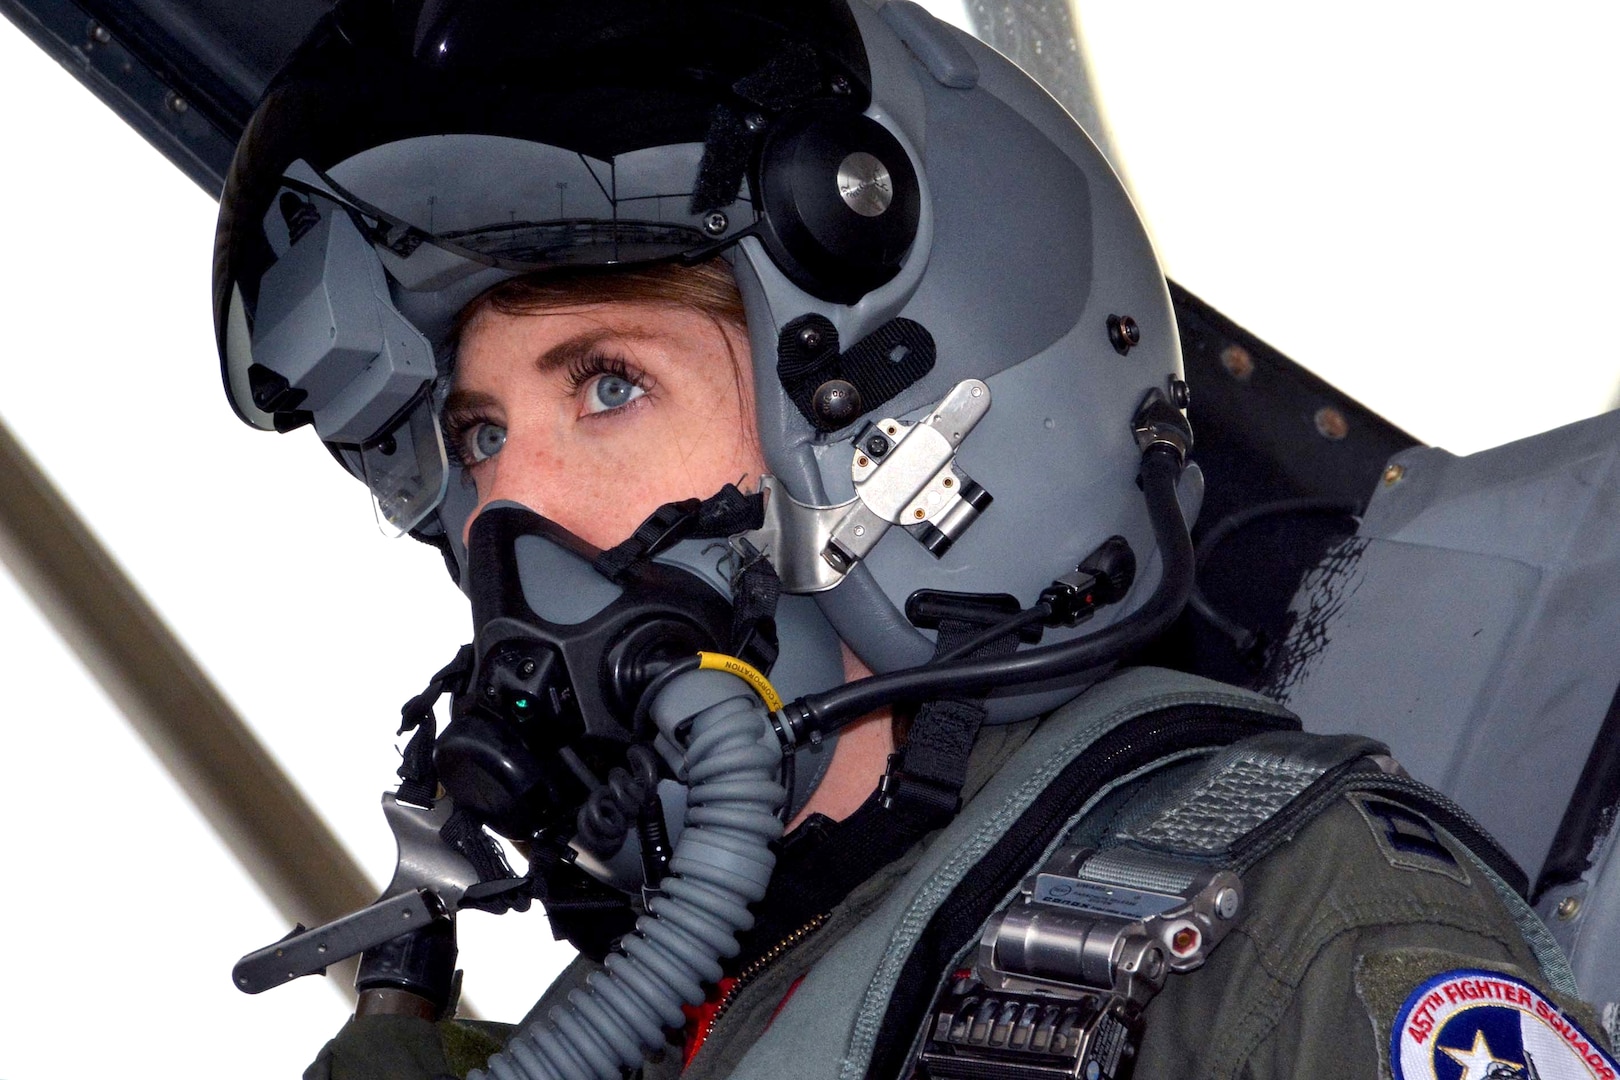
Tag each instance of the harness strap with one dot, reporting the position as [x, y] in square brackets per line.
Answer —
[1252, 796]
[1240, 789]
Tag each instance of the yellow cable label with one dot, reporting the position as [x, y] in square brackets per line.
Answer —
[713, 661]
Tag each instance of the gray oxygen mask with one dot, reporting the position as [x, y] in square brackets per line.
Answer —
[565, 648]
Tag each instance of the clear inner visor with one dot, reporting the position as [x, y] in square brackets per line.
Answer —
[525, 206]
[407, 470]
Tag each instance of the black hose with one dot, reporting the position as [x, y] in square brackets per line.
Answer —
[1244, 639]
[1161, 467]
[1010, 625]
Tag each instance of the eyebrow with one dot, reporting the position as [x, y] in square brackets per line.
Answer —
[581, 347]
[585, 344]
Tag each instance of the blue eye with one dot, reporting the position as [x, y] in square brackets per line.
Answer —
[610, 392]
[482, 442]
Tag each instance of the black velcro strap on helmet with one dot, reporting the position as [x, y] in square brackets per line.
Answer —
[726, 149]
[879, 366]
[790, 77]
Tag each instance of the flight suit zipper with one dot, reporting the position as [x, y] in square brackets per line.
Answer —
[757, 967]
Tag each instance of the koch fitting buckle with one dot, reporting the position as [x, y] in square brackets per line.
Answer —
[1063, 972]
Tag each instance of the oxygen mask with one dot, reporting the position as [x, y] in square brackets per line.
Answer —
[567, 641]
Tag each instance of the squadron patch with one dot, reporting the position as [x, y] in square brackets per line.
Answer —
[1471, 1024]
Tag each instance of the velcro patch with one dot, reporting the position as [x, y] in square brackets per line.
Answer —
[1407, 840]
[1478, 1024]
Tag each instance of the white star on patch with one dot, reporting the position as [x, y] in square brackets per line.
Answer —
[1476, 1062]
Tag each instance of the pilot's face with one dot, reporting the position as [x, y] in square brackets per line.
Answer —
[594, 416]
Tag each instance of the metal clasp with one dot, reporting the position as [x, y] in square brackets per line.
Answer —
[904, 474]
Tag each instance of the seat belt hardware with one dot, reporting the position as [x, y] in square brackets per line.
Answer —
[1115, 922]
[1063, 972]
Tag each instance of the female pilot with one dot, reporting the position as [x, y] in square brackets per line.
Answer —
[795, 395]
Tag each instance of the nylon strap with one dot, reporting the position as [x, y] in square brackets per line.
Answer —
[788, 78]
[1254, 796]
[1238, 790]
[724, 514]
[1241, 788]
[467, 836]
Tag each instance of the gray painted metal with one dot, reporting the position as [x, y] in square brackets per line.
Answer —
[221, 766]
[1470, 625]
[1584, 917]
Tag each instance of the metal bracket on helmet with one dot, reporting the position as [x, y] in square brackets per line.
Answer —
[904, 474]
[1160, 423]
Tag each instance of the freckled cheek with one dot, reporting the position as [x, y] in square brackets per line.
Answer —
[599, 494]
[531, 479]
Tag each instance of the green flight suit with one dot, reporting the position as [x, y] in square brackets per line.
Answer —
[1338, 928]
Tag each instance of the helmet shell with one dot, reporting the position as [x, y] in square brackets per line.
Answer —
[1019, 243]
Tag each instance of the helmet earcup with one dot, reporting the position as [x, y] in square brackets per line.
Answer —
[839, 201]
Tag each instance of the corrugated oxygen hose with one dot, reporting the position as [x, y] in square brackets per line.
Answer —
[721, 863]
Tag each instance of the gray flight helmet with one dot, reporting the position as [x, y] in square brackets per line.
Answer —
[929, 251]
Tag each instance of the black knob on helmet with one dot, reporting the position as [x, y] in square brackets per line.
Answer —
[840, 200]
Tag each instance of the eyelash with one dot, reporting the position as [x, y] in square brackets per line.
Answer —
[457, 424]
[584, 369]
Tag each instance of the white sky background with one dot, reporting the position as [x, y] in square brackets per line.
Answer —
[1415, 200]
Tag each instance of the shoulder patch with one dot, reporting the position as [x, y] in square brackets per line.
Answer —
[1407, 840]
[1477, 1024]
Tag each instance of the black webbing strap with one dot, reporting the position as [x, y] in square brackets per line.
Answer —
[419, 781]
[666, 525]
[755, 588]
[931, 768]
[467, 836]
[878, 366]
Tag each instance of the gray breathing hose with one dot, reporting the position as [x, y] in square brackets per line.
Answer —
[721, 863]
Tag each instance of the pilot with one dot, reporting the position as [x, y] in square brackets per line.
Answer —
[794, 393]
